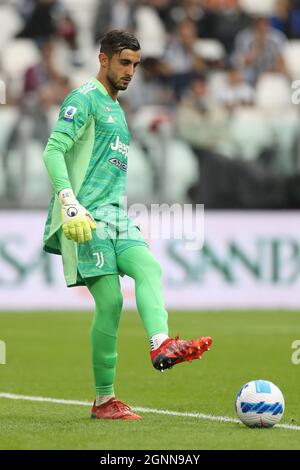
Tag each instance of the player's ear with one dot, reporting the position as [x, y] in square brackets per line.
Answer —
[103, 59]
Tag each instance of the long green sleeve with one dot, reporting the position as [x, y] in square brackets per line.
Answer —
[58, 145]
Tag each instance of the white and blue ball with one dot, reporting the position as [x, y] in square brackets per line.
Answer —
[259, 404]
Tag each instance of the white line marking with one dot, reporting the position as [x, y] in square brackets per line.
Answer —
[61, 401]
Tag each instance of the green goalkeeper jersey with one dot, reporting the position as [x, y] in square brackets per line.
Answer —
[97, 161]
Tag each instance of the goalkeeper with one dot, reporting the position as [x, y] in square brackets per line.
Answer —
[86, 158]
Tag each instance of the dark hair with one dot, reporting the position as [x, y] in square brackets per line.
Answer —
[114, 42]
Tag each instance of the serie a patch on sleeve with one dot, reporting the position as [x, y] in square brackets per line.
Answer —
[70, 113]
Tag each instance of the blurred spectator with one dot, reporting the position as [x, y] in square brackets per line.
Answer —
[163, 9]
[281, 17]
[199, 123]
[150, 87]
[235, 184]
[25, 8]
[185, 45]
[150, 28]
[66, 29]
[44, 88]
[113, 15]
[43, 82]
[259, 49]
[180, 53]
[295, 19]
[223, 20]
[182, 56]
[286, 18]
[193, 10]
[235, 91]
[40, 23]
[47, 18]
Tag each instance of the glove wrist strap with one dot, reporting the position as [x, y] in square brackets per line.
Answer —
[67, 197]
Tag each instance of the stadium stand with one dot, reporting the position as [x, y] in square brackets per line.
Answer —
[186, 53]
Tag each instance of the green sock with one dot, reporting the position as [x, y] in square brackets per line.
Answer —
[108, 299]
[139, 263]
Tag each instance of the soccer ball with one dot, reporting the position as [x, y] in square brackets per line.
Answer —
[259, 404]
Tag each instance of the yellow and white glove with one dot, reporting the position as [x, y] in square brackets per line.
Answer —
[78, 223]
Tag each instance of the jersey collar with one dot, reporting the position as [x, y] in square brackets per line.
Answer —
[101, 88]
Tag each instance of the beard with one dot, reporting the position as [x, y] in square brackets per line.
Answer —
[114, 83]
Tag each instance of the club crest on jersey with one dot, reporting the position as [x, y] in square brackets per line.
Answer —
[118, 146]
[70, 113]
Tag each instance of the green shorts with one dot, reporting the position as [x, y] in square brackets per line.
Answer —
[98, 257]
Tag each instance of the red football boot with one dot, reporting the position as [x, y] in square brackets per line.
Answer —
[173, 351]
[113, 409]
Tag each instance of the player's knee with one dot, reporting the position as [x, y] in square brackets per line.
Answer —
[112, 304]
[118, 302]
[115, 304]
[151, 269]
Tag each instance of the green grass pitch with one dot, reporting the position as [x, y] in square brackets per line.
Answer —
[48, 355]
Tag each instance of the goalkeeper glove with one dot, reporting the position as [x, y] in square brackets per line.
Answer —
[77, 222]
